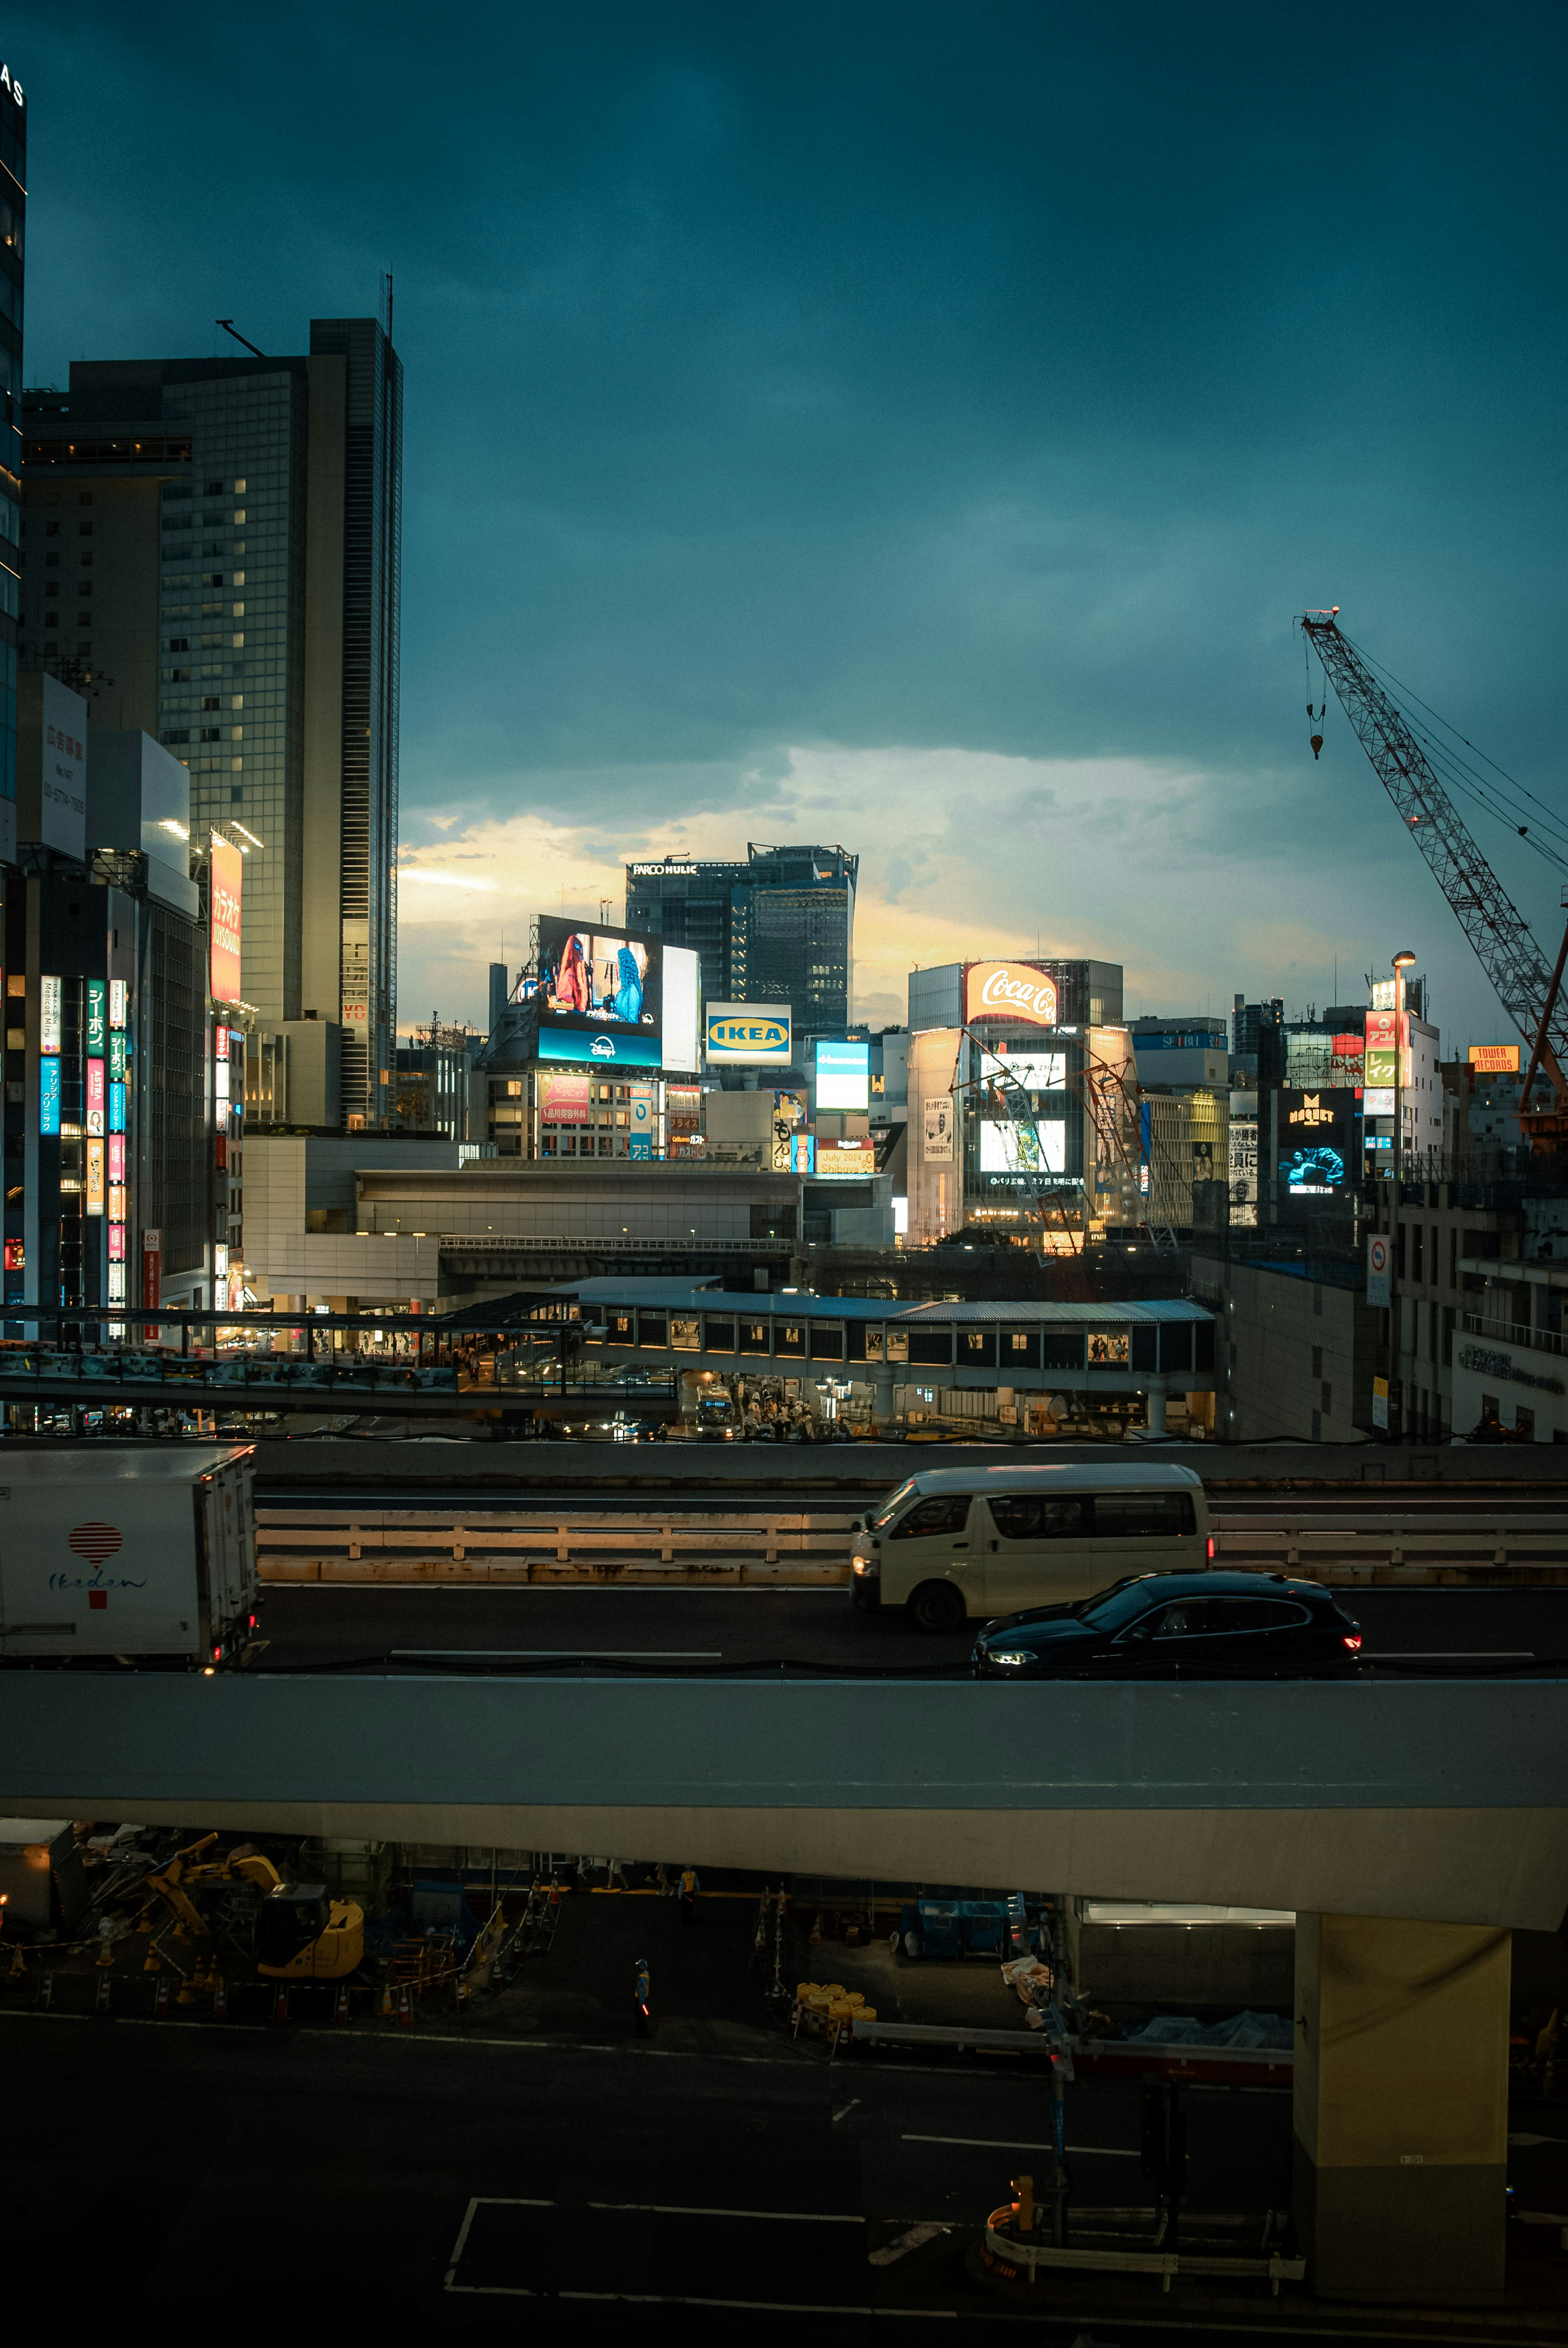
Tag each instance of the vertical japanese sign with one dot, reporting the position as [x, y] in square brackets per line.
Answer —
[98, 1017]
[228, 881]
[95, 1097]
[49, 1095]
[95, 1178]
[49, 992]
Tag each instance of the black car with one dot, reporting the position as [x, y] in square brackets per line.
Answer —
[1159, 1625]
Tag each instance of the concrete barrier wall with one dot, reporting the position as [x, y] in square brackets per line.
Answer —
[858, 1468]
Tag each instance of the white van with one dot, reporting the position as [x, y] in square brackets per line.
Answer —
[981, 1541]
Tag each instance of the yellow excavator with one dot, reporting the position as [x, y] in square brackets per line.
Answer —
[301, 1933]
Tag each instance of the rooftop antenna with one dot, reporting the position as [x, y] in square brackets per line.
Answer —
[228, 328]
[386, 288]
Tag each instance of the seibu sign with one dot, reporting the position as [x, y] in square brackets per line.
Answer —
[1009, 990]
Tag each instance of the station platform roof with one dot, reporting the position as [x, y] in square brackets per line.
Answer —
[658, 1295]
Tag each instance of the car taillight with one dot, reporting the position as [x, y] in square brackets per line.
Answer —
[216, 1654]
[1352, 1640]
[1211, 1548]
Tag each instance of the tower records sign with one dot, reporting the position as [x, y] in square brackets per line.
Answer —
[1009, 990]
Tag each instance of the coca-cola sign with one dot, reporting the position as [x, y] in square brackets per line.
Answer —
[1010, 990]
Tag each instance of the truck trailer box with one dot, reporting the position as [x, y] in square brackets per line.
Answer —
[136, 1552]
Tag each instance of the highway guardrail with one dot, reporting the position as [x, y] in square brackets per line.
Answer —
[639, 1548]
[718, 1549]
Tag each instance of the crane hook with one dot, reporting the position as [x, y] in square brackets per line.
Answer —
[1316, 744]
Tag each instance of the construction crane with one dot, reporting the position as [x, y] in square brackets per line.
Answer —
[1530, 991]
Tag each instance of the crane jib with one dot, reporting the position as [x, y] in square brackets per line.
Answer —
[1497, 931]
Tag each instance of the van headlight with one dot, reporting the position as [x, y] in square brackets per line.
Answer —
[1009, 1658]
[868, 1566]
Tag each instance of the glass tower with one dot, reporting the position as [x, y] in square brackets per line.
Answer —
[240, 604]
[780, 928]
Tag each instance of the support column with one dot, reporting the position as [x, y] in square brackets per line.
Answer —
[1154, 1397]
[1401, 2108]
[881, 1394]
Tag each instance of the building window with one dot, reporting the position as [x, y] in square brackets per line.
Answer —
[1317, 1361]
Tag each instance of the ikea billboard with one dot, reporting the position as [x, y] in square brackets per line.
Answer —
[754, 1034]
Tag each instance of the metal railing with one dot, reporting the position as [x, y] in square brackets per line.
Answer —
[144, 1371]
[1515, 1332]
[701, 1546]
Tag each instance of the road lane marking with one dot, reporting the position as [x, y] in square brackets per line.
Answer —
[905, 2243]
[1451, 1656]
[680, 2210]
[1006, 2144]
[556, 1654]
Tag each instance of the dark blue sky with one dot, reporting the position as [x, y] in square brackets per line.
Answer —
[917, 425]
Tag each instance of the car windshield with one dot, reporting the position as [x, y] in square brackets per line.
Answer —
[1122, 1603]
[890, 1506]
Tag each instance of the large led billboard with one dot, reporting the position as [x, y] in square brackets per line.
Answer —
[1035, 1071]
[749, 1033]
[843, 1075]
[228, 882]
[600, 997]
[1315, 1139]
[1009, 1149]
[678, 1027]
[1009, 991]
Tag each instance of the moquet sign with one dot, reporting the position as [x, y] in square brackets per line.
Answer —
[1311, 1112]
[1009, 990]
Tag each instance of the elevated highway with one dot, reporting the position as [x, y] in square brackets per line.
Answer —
[1418, 1799]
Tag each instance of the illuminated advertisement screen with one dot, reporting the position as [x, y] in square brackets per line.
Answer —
[1316, 1139]
[95, 1178]
[1007, 1148]
[600, 997]
[95, 1096]
[843, 1075]
[228, 881]
[1037, 1072]
[757, 1033]
[565, 1100]
[680, 1010]
[49, 1095]
[1009, 990]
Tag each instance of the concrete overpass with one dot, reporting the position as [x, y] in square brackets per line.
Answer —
[1420, 1799]
[1410, 1826]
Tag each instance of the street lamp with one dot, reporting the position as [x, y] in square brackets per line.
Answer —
[1402, 961]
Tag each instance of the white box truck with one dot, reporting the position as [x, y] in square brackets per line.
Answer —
[147, 1556]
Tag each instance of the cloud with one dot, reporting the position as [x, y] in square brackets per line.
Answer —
[963, 854]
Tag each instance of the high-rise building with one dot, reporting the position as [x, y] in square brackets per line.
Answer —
[1257, 1042]
[780, 928]
[13, 212]
[213, 555]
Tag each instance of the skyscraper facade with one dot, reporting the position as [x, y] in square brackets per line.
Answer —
[780, 928]
[232, 529]
[13, 240]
